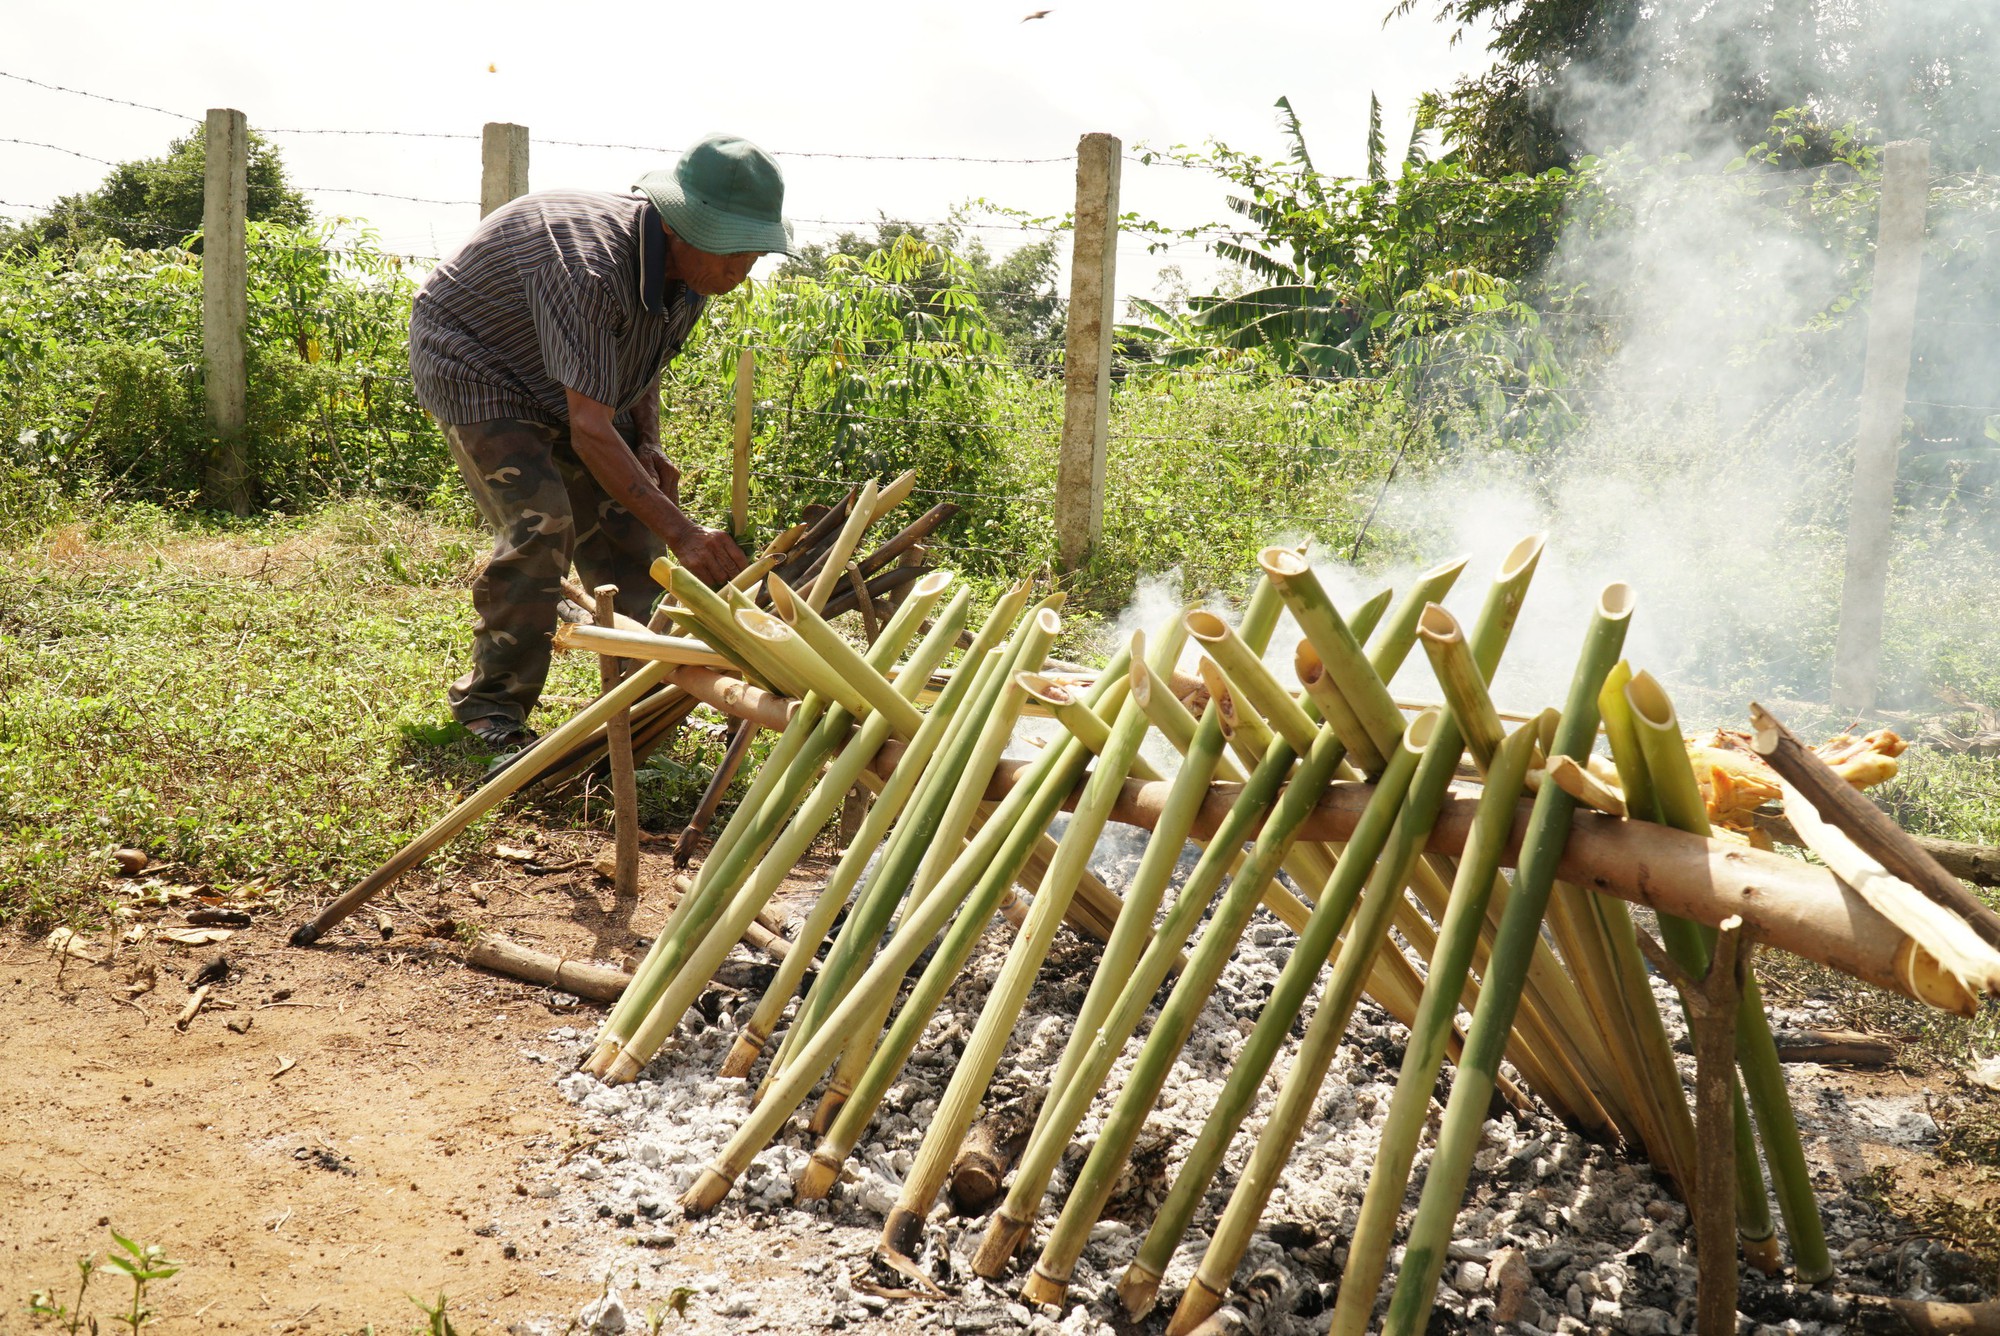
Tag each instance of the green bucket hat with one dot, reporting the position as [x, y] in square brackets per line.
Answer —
[725, 196]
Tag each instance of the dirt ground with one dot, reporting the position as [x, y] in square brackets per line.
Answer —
[398, 1153]
[368, 1121]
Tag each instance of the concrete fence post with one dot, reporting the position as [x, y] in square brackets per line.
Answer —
[503, 164]
[1892, 312]
[225, 305]
[1087, 351]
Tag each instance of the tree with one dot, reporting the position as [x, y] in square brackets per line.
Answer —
[153, 202]
[1017, 290]
[1583, 76]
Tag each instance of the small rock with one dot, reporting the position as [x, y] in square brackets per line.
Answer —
[131, 862]
[237, 1024]
[1511, 1280]
[1647, 1322]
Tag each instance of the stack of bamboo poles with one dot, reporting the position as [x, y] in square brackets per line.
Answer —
[1365, 806]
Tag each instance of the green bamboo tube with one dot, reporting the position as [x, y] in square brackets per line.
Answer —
[882, 814]
[1383, 855]
[714, 620]
[1004, 999]
[775, 791]
[974, 911]
[843, 1122]
[799, 663]
[1121, 989]
[1464, 689]
[1041, 788]
[1402, 1129]
[947, 840]
[1534, 882]
[1244, 729]
[1763, 1078]
[1552, 1004]
[1246, 671]
[775, 865]
[845, 660]
[1350, 669]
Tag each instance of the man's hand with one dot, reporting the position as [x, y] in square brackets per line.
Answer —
[712, 555]
[664, 474]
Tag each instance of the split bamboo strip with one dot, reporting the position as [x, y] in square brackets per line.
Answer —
[776, 862]
[1038, 793]
[1004, 1000]
[1670, 778]
[1423, 1057]
[1542, 849]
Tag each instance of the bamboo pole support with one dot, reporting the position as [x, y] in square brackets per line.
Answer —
[740, 738]
[739, 473]
[624, 782]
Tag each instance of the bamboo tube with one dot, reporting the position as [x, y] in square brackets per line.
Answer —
[714, 620]
[1464, 689]
[1671, 781]
[1039, 794]
[1353, 675]
[1384, 854]
[1330, 912]
[1245, 668]
[780, 783]
[836, 558]
[945, 842]
[896, 491]
[624, 782]
[925, 804]
[1109, 1011]
[799, 662]
[1402, 1129]
[882, 814]
[1465, 1113]
[601, 639]
[1002, 1010]
[776, 864]
[1244, 729]
[842, 657]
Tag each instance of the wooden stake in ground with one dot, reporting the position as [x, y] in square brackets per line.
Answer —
[1711, 1007]
[740, 738]
[624, 783]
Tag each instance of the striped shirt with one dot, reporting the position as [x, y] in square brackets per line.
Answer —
[565, 289]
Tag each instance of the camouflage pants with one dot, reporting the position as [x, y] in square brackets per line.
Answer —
[545, 510]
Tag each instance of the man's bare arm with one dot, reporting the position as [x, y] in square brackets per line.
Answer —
[710, 553]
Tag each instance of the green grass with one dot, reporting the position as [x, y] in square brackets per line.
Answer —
[260, 704]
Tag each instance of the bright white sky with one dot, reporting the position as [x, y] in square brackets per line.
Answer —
[965, 78]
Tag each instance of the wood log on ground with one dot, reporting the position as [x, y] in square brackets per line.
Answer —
[599, 983]
[1867, 825]
[1934, 1318]
[979, 1171]
[1845, 1047]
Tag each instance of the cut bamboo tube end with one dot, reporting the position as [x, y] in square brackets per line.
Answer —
[1615, 604]
[601, 1057]
[742, 1055]
[708, 1190]
[828, 1110]
[818, 1177]
[1042, 1288]
[1197, 1305]
[1764, 1254]
[1282, 563]
[1004, 1237]
[1139, 1290]
[624, 1070]
[903, 1231]
[1521, 556]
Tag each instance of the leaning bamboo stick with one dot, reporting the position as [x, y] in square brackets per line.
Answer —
[1009, 992]
[776, 863]
[1402, 1129]
[836, 558]
[624, 781]
[1548, 832]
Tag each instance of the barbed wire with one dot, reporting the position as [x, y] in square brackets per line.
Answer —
[97, 97]
[36, 143]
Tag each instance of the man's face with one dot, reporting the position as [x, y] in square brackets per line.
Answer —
[709, 274]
